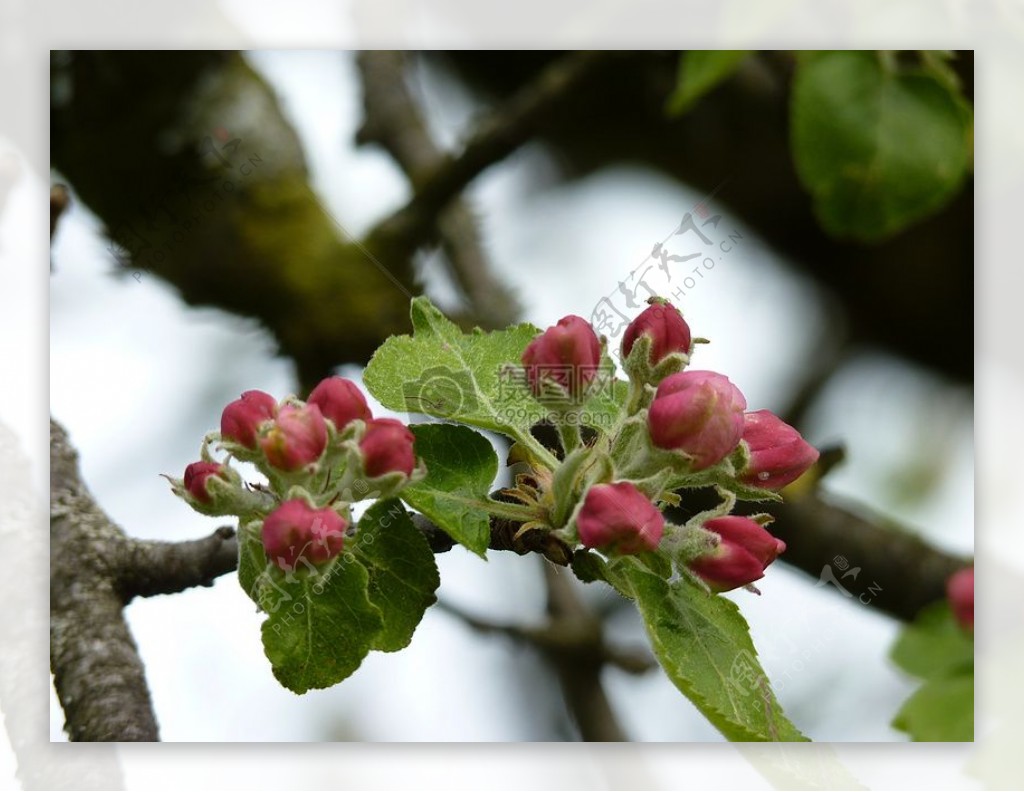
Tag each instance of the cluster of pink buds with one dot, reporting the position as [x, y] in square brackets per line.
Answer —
[679, 428]
[315, 455]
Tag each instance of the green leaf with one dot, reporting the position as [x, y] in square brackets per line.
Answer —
[934, 644]
[937, 649]
[877, 145]
[704, 645]
[321, 622]
[941, 710]
[252, 560]
[461, 466]
[699, 72]
[470, 378]
[403, 573]
[443, 372]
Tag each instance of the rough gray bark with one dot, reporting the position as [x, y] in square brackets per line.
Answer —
[95, 570]
[97, 672]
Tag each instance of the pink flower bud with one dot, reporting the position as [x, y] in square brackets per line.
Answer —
[295, 530]
[387, 447]
[196, 475]
[619, 517]
[665, 326]
[699, 413]
[340, 401]
[960, 591]
[297, 438]
[778, 454]
[241, 419]
[741, 557]
[568, 353]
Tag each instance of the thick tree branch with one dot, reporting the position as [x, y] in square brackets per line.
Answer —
[900, 572]
[98, 674]
[95, 570]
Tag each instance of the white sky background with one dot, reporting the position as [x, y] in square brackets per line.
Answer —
[138, 378]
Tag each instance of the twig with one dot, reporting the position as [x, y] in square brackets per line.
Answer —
[573, 641]
[503, 537]
[149, 568]
[59, 201]
[393, 120]
[579, 668]
[559, 636]
[494, 138]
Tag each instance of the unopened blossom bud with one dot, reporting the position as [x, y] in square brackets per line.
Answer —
[241, 419]
[742, 555]
[340, 401]
[296, 439]
[620, 518]
[567, 354]
[699, 413]
[296, 531]
[195, 478]
[960, 591]
[778, 454]
[387, 447]
[664, 325]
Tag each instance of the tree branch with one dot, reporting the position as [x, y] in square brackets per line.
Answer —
[574, 643]
[579, 666]
[900, 572]
[98, 674]
[393, 120]
[147, 568]
[495, 137]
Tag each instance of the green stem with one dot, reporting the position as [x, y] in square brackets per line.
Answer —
[635, 401]
[508, 511]
[570, 436]
[538, 451]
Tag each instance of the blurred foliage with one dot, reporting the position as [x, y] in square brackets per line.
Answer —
[699, 72]
[878, 144]
[935, 648]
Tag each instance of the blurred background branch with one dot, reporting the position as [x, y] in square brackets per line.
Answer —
[393, 121]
